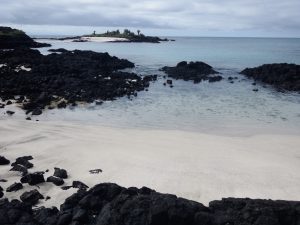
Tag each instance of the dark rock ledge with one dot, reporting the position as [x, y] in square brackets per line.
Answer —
[35, 81]
[195, 71]
[282, 76]
[110, 204]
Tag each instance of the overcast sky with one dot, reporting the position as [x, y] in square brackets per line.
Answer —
[164, 17]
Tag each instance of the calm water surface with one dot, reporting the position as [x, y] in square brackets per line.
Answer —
[207, 107]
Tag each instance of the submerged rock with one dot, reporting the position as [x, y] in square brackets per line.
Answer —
[280, 75]
[195, 71]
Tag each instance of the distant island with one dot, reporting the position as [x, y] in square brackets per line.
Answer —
[130, 36]
[115, 36]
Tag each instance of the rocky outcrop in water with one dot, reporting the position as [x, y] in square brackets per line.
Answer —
[59, 79]
[195, 71]
[13, 38]
[282, 75]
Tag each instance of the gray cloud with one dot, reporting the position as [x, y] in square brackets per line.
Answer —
[202, 15]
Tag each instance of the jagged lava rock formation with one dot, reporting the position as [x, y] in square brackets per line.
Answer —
[195, 71]
[281, 75]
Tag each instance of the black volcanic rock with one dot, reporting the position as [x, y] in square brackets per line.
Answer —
[13, 38]
[4, 161]
[14, 187]
[61, 173]
[110, 204]
[23, 161]
[79, 185]
[195, 71]
[282, 75]
[31, 197]
[19, 168]
[55, 180]
[33, 178]
[70, 76]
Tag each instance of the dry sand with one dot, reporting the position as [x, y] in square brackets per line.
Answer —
[192, 165]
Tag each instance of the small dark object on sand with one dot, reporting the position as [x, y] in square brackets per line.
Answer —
[95, 171]
[10, 113]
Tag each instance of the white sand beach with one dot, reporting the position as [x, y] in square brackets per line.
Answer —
[103, 39]
[193, 165]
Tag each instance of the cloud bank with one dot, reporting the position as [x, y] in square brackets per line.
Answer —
[194, 16]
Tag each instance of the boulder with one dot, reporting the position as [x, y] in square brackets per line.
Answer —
[55, 180]
[19, 168]
[4, 161]
[14, 187]
[33, 178]
[79, 185]
[31, 197]
[61, 173]
[23, 161]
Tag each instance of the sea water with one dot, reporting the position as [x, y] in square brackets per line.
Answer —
[220, 107]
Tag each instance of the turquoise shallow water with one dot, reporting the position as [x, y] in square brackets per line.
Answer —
[208, 107]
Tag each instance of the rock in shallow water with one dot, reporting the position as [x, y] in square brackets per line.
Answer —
[280, 75]
[195, 71]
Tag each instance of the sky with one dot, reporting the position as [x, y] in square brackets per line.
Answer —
[221, 18]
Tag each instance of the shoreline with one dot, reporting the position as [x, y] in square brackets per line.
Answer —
[196, 166]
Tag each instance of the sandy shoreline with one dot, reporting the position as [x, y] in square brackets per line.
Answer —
[193, 165]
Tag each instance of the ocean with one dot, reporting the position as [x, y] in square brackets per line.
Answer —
[219, 107]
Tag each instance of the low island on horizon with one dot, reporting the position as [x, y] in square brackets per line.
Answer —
[126, 36]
